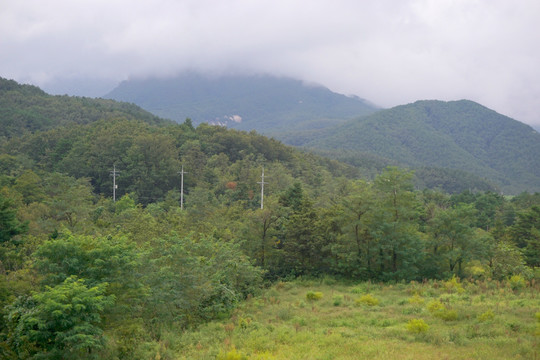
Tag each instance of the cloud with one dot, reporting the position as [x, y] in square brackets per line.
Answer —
[389, 52]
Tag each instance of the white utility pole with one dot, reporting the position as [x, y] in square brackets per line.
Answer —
[182, 187]
[262, 188]
[114, 173]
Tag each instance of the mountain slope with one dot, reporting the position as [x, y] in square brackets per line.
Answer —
[26, 109]
[459, 135]
[263, 103]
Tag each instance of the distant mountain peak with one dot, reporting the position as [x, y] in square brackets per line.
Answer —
[248, 102]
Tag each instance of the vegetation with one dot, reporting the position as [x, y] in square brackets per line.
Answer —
[83, 275]
[458, 135]
[264, 103]
[494, 322]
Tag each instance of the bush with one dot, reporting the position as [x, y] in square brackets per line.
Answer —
[435, 306]
[368, 299]
[517, 282]
[416, 300]
[487, 316]
[314, 295]
[417, 326]
[337, 300]
[453, 285]
[232, 354]
[447, 315]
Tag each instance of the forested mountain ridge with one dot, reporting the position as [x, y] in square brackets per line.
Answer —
[460, 135]
[26, 109]
[266, 104]
[86, 275]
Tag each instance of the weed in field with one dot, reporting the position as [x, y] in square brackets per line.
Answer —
[368, 300]
[314, 295]
[447, 315]
[417, 326]
[486, 316]
[435, 306]
[454, 285]
[284, 313]
[416, 300]
[337, 300]
[517, 282]
[232, 354]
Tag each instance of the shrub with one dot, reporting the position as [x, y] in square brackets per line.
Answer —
[337, 300]
[314, 295]
[232, 354]
[517, 282]
[435, 306]
[447, 314]
[368, 299]
[417, 326]
[263, 356]
[487, 316]
[416, 300]
[453, 285]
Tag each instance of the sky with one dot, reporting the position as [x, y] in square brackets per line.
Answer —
[390, 52]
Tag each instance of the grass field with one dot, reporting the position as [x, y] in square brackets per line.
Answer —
[326, 319]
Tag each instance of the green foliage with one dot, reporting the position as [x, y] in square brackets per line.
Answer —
[368, 300]
[459, 135]
[435, 306]
[263, 101]
[171, 270]
[232, 354]
[486, 316]
[417, 326]
[9, 224]
[337, 300]
[416, 300]
[517, 282]
[454, 285]
[61, 322]
[314, 295]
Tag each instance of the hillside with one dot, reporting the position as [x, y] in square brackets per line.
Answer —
[263, 103]
[460, 135]
[85, 274]
[26, 109]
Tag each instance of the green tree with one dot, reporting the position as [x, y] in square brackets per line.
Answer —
[61, 322]
[394, 226]
[452, 238]
[525, 233]
[10, 226]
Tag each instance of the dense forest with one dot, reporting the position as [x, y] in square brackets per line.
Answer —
[457, 135]
[85, 275]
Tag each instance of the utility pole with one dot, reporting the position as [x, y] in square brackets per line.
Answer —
[114, 173]
[182, 187]
[262, 188]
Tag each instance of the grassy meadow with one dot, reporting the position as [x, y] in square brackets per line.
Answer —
[327, 319]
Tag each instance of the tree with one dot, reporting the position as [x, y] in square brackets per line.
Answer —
[452, 237]
[10, 226]
[525, 233]
[61, 322]
[394, 226]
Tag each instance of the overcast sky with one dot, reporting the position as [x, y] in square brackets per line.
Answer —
[389, 52]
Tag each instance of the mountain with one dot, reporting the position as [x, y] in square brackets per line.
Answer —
[27, 108]
[461, 135]
[263, 103]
